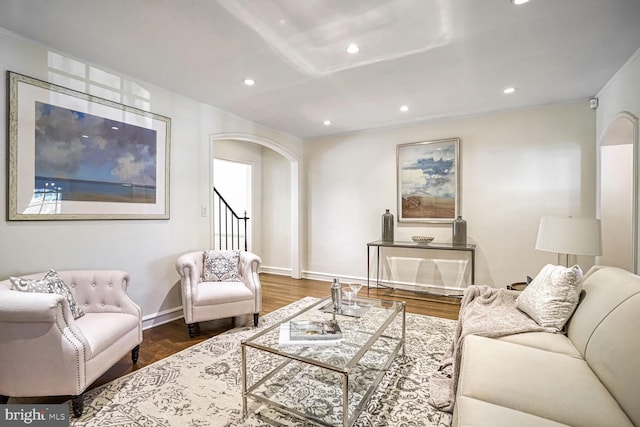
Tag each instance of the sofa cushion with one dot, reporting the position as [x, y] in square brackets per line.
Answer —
[51, 283]
[538, 382]
[557, 343]
[103, 330]
[221, 266]
[215, 293]
[473, 412]
[552, 295]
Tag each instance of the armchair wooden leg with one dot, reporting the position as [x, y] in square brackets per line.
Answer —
[255, 319]
[134, 354]
[192, 329]
[77, 405]
[4, 399]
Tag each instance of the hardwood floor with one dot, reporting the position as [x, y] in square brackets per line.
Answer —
[277, 291]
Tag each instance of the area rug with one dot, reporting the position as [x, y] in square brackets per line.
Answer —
[201, 386]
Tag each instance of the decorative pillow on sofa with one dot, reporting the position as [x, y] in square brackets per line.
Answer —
[221, 266]
[51, 283]
[552, 295]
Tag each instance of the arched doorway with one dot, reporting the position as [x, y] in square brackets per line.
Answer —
[296, 186]
[618, 193]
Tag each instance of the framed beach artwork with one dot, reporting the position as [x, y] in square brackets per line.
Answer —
[428, 181]
[73, 156]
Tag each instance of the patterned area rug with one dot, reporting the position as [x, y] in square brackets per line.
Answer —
[201, 386]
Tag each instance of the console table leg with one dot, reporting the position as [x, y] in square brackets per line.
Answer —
[378, 268]
[368, 268]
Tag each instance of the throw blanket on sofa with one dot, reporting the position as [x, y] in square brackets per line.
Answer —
[484, 311]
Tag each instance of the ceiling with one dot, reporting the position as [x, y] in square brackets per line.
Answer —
[440, 58]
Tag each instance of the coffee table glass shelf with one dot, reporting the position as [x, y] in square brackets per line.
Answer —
[344, 373]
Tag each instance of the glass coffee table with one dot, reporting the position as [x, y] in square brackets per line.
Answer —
[326, 382]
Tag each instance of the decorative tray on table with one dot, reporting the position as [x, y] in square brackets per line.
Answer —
[422, 240]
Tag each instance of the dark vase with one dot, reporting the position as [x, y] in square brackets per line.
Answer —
[459, 232]
[387, 226]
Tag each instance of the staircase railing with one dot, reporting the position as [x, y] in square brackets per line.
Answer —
[231, 228]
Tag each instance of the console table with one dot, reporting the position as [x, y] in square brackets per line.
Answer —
[410, 245]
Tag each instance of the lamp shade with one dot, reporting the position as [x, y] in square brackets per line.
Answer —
[567, 235]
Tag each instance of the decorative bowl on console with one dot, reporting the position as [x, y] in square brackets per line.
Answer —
[422, 240]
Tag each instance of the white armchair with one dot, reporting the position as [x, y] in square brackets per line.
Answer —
[44, 351]
[213, 289]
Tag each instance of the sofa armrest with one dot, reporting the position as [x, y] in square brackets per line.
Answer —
[39, 339]
[248, 268]
[189, 266]
[30, 307]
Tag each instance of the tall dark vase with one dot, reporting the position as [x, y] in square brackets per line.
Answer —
[387, 226]
[459, 232]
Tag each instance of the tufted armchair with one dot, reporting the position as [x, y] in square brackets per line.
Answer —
[44, 351]
[212, 291]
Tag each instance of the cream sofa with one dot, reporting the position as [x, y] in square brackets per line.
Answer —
[44, 351]
[590, 377]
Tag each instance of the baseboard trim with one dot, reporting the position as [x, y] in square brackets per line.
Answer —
[280, 271]
[405, 286]
[156, 319]
[325, 277]
[313, 275]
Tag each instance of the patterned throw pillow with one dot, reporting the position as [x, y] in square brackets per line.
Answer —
[552, 296]
[221, 266]
[51, 283]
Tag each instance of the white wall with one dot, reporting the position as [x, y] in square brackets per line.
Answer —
[146, 249]
[515, 167]
[616, 205]
[620, 97]
[620, 94]
[276, 219]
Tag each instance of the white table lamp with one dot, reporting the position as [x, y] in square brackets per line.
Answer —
[569, 236]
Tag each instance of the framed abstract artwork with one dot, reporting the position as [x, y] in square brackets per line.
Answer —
[73, 156]
[428, 179]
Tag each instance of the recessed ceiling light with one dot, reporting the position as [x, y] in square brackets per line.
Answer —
[327, 122]
[519, 2]
[353, 48]
[404, 108]
[249, 82]
[115, 127]
[509, 90]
